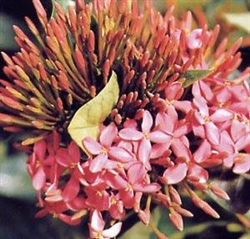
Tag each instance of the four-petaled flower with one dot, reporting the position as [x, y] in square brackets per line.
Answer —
[97, 225]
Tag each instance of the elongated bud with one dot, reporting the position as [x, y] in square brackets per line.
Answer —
[219, 192]
[176, 219]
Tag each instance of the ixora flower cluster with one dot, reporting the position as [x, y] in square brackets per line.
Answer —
[125, 108]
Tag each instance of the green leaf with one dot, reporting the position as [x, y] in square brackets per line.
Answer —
[14, 179]
[7, 34]
[245, 236]
[65, 3]
[87, 119]
[197, 228]
[240, 20]
[192, 76]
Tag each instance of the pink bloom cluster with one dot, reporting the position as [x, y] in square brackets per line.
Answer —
[164, 136]
[147, 159]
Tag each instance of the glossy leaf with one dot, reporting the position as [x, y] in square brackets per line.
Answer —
[87, 119]
[192, 76]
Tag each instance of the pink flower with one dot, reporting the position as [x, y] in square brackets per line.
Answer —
[58, 209]
[116, 210]
[105, 153]
[70, 158]
[205, 126]
[176, 131]
[157, 138]
[97, 224]
[97, 197]
[175, 174]
[135, 181]
[144, 137]
[241, 163]
[35, 165]
[173, 92]
[194, 39]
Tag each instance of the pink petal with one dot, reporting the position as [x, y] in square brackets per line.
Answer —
[144, 151]
[136, 172]
[243, 142]
[201, 104]
[147, 122]
[198, 116]
[97, 164]
[147, 188]
[182, 129]
[40, 149]
[180, 149]
[241, 107]
[110, 164]
[225, 139]
[165, 123]
[174, 91]
[175, 174]
[77, 204]
[126, 145]
[159, 149]
[159, 137]
[115, 181]
[238, 129]
[221, 115]
[198, 130]
[130, 123]
[183, 105]
[193, 40]
[71, 190]
[127, 197]
[112, 231]
[196, 91]
[203, 152]
[108, 135]
[229, 161]
[68, 219]
[63, 158]
[74, 151]
[240, 92]
[197, 173]
[97, 222]
[172, 113]
[120, 154]
[206, 90]
[212, 133]
[39, 179]
[241, 164]
[92, 146]
[224, 95]
[130, 134]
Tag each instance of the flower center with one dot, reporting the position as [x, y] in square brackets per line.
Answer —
[99, 193]
[98, 235]
[146, 135]
[206, 119]
[73, 165]
[129, 187]
[169, 102]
